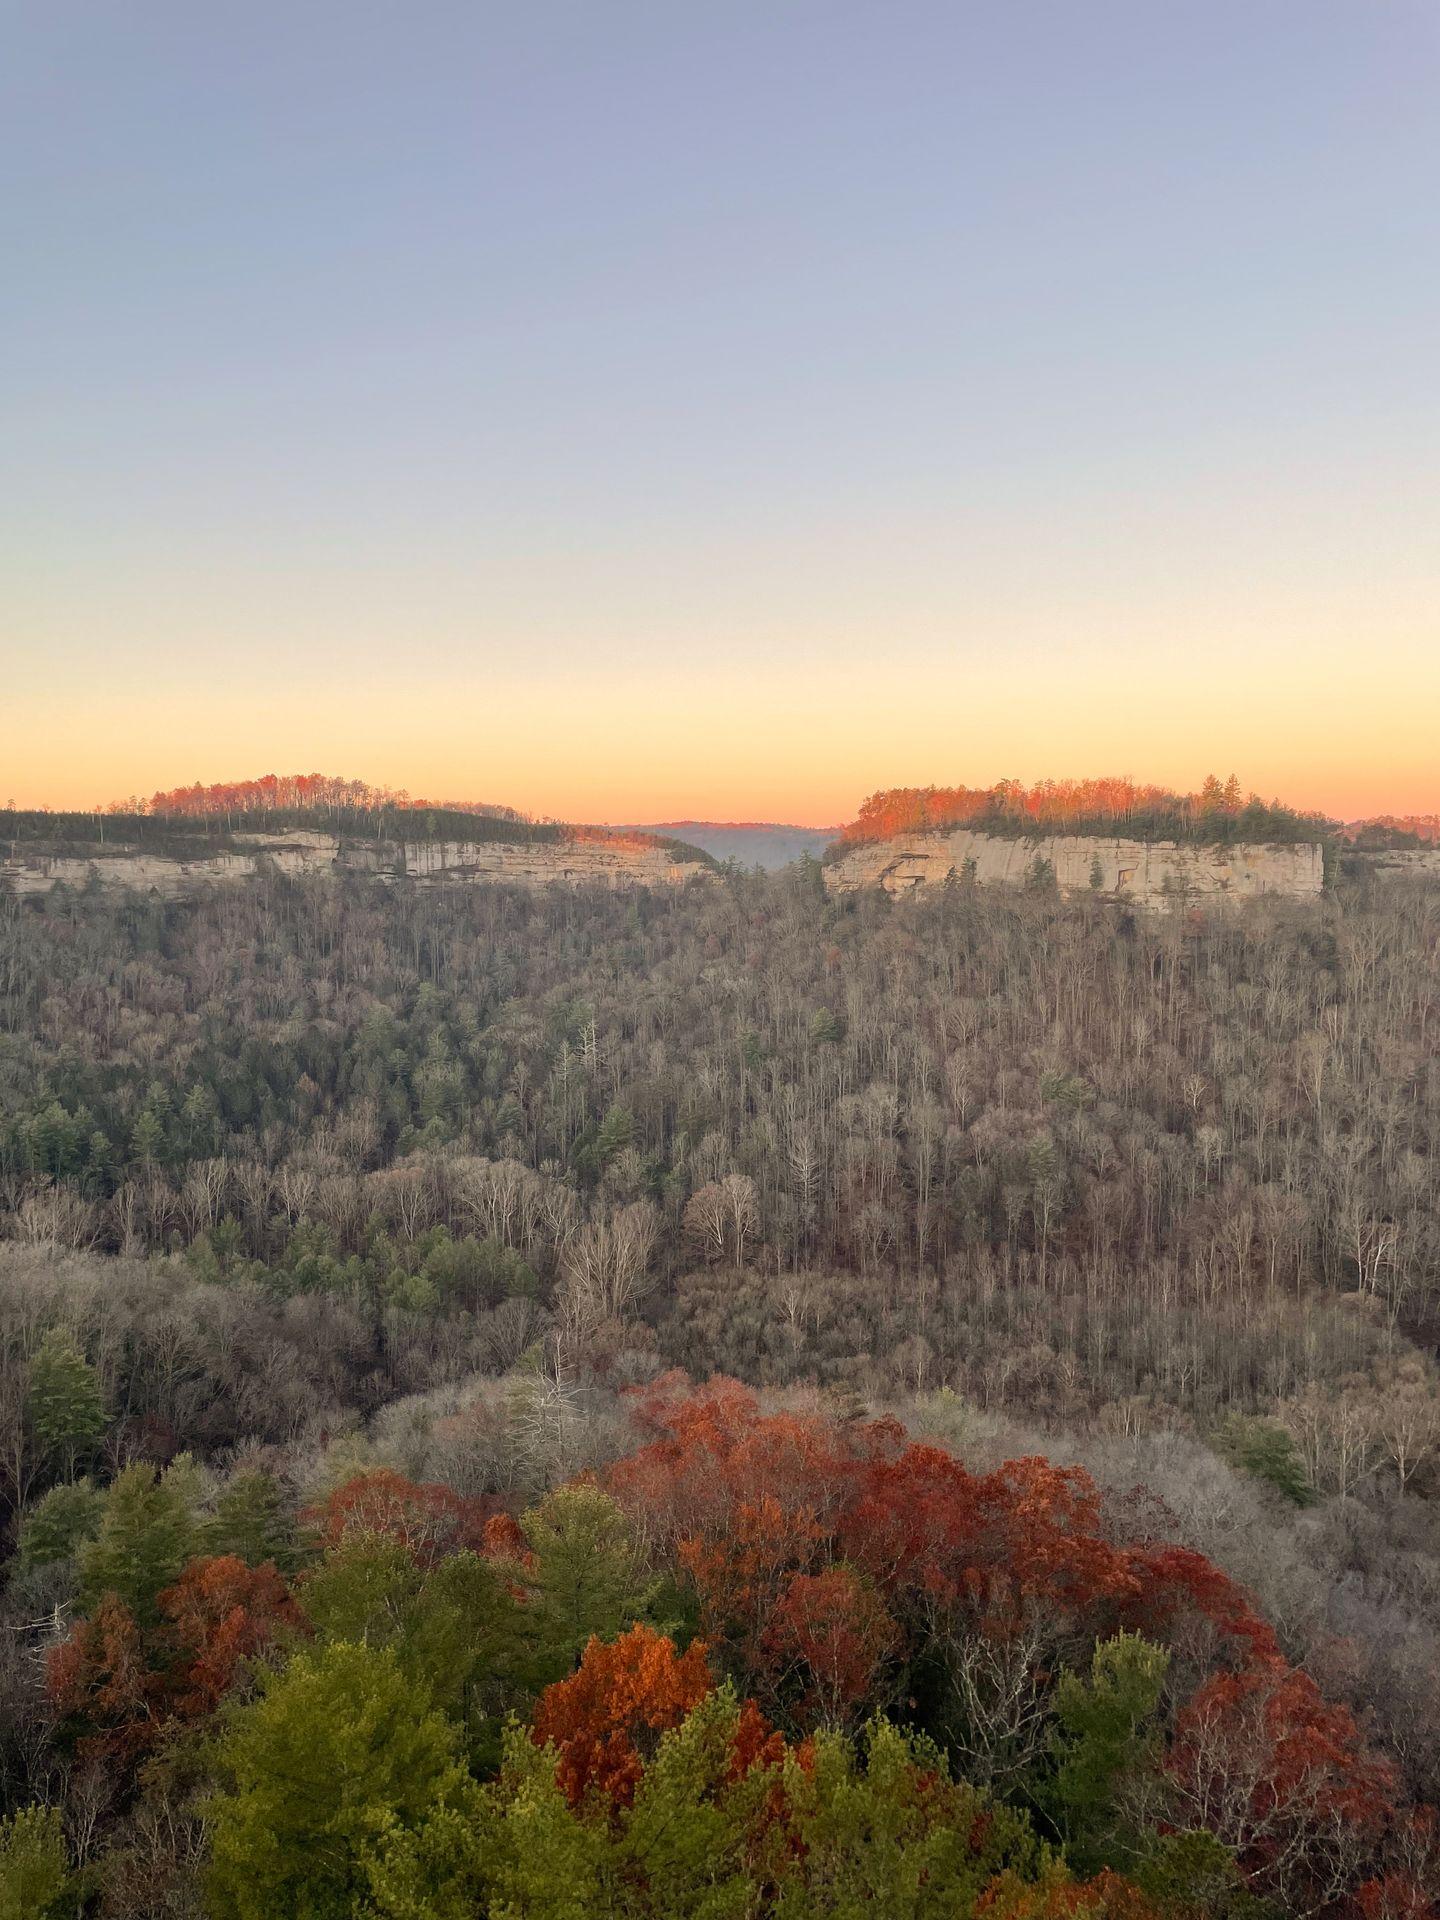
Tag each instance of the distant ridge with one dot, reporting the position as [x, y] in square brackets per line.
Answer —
[753, 843]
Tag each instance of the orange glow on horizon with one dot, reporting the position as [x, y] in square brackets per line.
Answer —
[800, 734]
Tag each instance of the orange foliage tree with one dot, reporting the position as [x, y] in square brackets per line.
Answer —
[218, 1616]
[126, 1687]
[101, 1676]
[831, 1633]
[430, 1521]
[606, 1718]
[1113, 802]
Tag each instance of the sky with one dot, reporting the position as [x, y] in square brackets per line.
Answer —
[635, 411]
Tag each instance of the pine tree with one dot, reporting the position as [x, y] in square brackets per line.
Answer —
[146, 1536]
[336, 1750]
[58, 1526]
[617, 1131]
[251, 1521]
[35, 1881]
[586, 1574]
[147, 1140]
[1104, 1735]
[64, 1406]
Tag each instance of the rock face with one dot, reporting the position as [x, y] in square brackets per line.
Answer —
[426, 863]
[1161, 875]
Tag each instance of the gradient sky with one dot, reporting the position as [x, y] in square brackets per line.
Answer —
[683, 409]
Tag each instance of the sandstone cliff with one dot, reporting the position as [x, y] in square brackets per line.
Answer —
[1159, 874]
[574, 862]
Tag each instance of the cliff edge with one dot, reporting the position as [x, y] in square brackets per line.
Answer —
[1157, 874]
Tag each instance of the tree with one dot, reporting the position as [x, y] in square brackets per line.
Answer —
[334, 1752]
[147, 1533]
[429, 1521]
[876, 1825]
[1058, 1895]
[1267, 1451]
[603, 1268]
[606, 1717]
[617, 1131]
[250, 1520]
[545, 1862]
[1281, 1778]
[147, 1138]
[35, 1880]
[64, 1404]
[722, 1216]
[61, 1523]
[219, 1618]
[585, 1574]
[454, 1627]
[829, 1637]
[1103, 1741]
[101, 1678]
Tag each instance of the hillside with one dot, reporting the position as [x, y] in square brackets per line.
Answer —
[358, 1239]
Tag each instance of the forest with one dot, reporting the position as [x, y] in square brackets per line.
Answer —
[1218, 814]
[726, 1402]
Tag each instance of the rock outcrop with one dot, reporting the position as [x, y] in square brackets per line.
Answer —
[1161, 875]
[581, 861]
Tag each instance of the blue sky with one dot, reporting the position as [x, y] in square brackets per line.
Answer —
[614, 409]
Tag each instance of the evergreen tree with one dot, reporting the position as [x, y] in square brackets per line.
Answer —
[252, 1522]
[1104, 1736]
[63, 1404]
[147, 1139]
[335, 1752]
[35, 1881]
[586, 1575]
[146, 1535]
[617, 1131]
[58, 1526]
[1266, 1451]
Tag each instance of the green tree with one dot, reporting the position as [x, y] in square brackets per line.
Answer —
[251, 1521]
[35, 1880]
[58, 1526]
[334, 1754]
[882, 1829]
[200, 1119]
[1104, 1742]
[435, 1869]
[617, 1131]
[147, 1533]
[587, 1577]
[546, 1863]
[147, 1138]
[1266, 1451]
[63, 1402]
[455, 1628]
